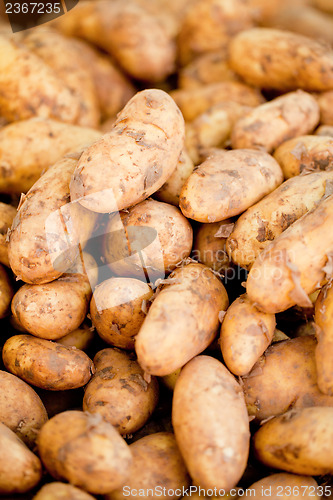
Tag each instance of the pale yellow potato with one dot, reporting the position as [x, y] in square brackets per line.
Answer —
[182, 321]
[151, 237]
[118, 308]
[195, 101]
[281, 60]
[119, 393]
[52, 310]
[85, 451]
[163, 468]
[170, 191]
[46, 364]
[326, 130]
[308, 153]
[266, 220]
[324, 331]
[151, 130]
[235, 180]
[7, 214]
[21, 409]
[272, 123]
[20, 469]
[295, 264]
[6, 292]
[61, 491]
[299, 441]
[210, 422]
[285, 486]
[170, 380]
[325, 102]
[209, 246]
[246, 333]
[80, 338]
[28, 87]
[86, 264]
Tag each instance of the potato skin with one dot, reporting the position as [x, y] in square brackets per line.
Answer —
[7, 214]
[296, 62]
[170, 191]
[119, 393]
[209, 413]
[46, 364]
[254, 174]
[6, 292]
[20, 469]
[326, 130]
[61, 491]
[163, 467]
[80, 338]
[292, 266]
[324, 332]
[272, 123]
[85, 451]
[325, 102]
[151, 129]
[210, 249]
[285, 486]
[54, 309]
[117, 310]
[298, 441]
[21, 409]
[182, 321]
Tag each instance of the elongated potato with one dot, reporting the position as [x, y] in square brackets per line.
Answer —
[54, 309]
[210, 422]
[287, 369]
[324, 350]
[21, 409]
[119, 393]
[272, 123]
[182, 321]
[151, 129]
[61, 491]
[246, 332]
[151, 237]
[296, 61]
[163, 468]
[20, 469]
[285, 486]
[267, 219]
[6, 292]
[7, 214]
[300, 441]
[85, 451]
[210, 245]
[46, 364]
[295, 264]
[28, 87]
[170, 191]
[235, 180]
[118, 309]
[325, 102]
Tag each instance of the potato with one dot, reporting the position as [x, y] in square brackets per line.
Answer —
[85, 451]
[6, 292]
[153, 137]
[210, 423]
[150, 238]
[300, 441]
[170, 380]
[163, 468]
[20, 469]
[246, 332]
[324, 331]
[7, 214]
[119, 393]
[325, 102]
[235, 180]
[170, 191]
[285, 486]
[295, 264]
[21, 409]
[46, 364]
[326, 130]
[325, 5]
[29, 147]
[182, 321]
[210, 245]
[28, 87]
[86, 265]
[272, 123]
[118, 308]
[194, 102]
[61, 491]
[267, 219]
[296, 61]
[54, 309]
[287, 369]
[81, 337]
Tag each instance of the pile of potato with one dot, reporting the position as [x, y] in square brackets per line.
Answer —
[166, 250]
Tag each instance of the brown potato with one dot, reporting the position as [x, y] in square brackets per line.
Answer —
[20, 469]
[246, 333]
[7, 214]
[325, 102]
[150, 238]
[85, 451]
[182, 321]
[235, 180]
[324, 331]
[61, 491]
[46, 364]
[163, 468]
[6, 292]
[210, 245]
[272, 123]
[119, 393]
[80, 338]
[296, 61]
[118, 308]
[326, 130]
[21, 409]
[285, 486]
[211, 424]
[153, 137]
[54, 309]
[170, 191]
